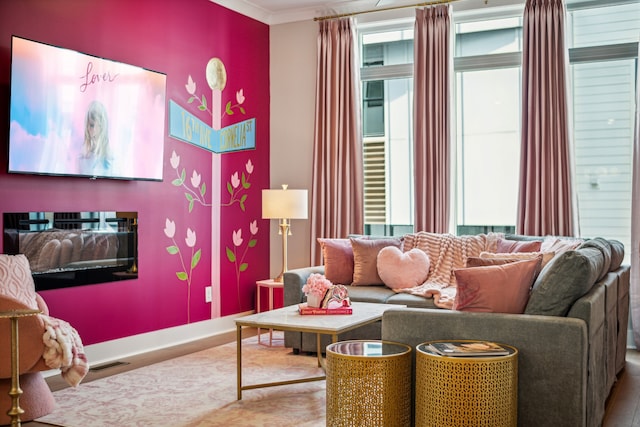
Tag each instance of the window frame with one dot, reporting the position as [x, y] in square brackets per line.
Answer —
[576, 55]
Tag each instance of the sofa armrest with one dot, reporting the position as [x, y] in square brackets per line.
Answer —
[552, 355]
[293, 282]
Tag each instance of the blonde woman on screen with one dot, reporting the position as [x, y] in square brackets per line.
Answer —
[96, 155]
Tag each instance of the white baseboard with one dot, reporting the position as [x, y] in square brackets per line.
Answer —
[110, 351]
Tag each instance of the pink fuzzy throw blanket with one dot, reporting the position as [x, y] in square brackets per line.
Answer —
[64, 350]
[446, 252]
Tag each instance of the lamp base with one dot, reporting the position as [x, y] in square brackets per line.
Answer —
[284, 231]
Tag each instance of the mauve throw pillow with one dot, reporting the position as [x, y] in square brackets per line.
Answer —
[506, 245]
[560, 245]
[496, 288]
[399, 270]
[365, 259]
[483, 262]
[337, 256]
[474, 261]
[520, 256]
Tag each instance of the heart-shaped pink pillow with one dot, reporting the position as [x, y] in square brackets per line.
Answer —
[400, 270]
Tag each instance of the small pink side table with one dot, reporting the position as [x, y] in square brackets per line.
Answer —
[270, 284]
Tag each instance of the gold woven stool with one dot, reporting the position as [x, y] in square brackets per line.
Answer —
[368, 384]
[466, 391]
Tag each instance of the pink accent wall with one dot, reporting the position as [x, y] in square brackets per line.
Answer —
[177, 38]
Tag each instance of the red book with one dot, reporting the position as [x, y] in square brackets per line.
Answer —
[304, 310]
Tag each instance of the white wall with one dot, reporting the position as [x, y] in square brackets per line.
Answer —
[292, 76]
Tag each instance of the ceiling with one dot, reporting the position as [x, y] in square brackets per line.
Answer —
[283, 11]
[274, 12]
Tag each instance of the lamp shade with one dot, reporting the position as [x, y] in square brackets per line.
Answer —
[289, 204]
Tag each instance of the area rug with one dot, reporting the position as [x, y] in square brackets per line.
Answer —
[199, 390]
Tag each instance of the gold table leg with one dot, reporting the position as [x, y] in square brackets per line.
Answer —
[15, 392]
[239, 360]
[240, 387]
[321, 361]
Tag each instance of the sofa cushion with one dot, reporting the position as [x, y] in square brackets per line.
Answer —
[495, 288]
[399, 269]
[506, 245]
[410, 300]
[337, 256]
[365, 259]
[604, 247]
[377, 294]
[617, 254]
[566, 278]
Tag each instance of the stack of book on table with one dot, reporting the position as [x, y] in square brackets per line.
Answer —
[467, 349]
[304, 309]
[334, 301]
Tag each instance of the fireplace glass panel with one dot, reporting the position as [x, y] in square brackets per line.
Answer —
[74, 248]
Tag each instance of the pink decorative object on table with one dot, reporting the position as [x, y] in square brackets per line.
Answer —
[335, 301]
[336, 297]
[315, 289]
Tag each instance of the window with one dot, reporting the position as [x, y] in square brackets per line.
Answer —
[487, 87]
[603, 49]
[603, 56]
[387, 110]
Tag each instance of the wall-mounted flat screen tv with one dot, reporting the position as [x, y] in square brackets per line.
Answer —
[77, 114]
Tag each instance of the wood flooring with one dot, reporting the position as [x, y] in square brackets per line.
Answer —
[623, 406]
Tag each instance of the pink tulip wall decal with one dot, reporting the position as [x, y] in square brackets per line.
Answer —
[237, 254]
[195, 194]
[186, 274]
[237, 184]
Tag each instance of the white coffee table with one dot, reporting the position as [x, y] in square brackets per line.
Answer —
[288, 319]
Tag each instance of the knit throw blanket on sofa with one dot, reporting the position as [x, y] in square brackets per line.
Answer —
[446, 252]
[64, 350]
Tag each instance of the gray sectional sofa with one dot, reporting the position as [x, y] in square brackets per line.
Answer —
[571, 338]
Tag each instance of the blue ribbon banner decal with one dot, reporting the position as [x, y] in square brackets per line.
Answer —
[186, 127]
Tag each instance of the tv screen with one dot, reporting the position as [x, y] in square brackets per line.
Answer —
[77, 114]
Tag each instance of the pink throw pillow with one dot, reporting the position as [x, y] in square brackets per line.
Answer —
[365, 259]
[496, 288]
[337, 256]
[505, 245]
[560, 245]
[520, 256]
[16, 281]
[483, 262]
[400, 270]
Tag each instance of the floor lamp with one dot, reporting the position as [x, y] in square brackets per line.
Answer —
[284, 205]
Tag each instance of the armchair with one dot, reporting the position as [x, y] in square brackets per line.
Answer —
[17, 292]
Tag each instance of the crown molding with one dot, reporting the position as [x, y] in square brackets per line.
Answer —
[266, 16]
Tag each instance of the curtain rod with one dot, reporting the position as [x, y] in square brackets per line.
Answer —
[428, 3]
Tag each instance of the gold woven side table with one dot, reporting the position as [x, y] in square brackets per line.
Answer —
[466, 391]
[368, 384]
